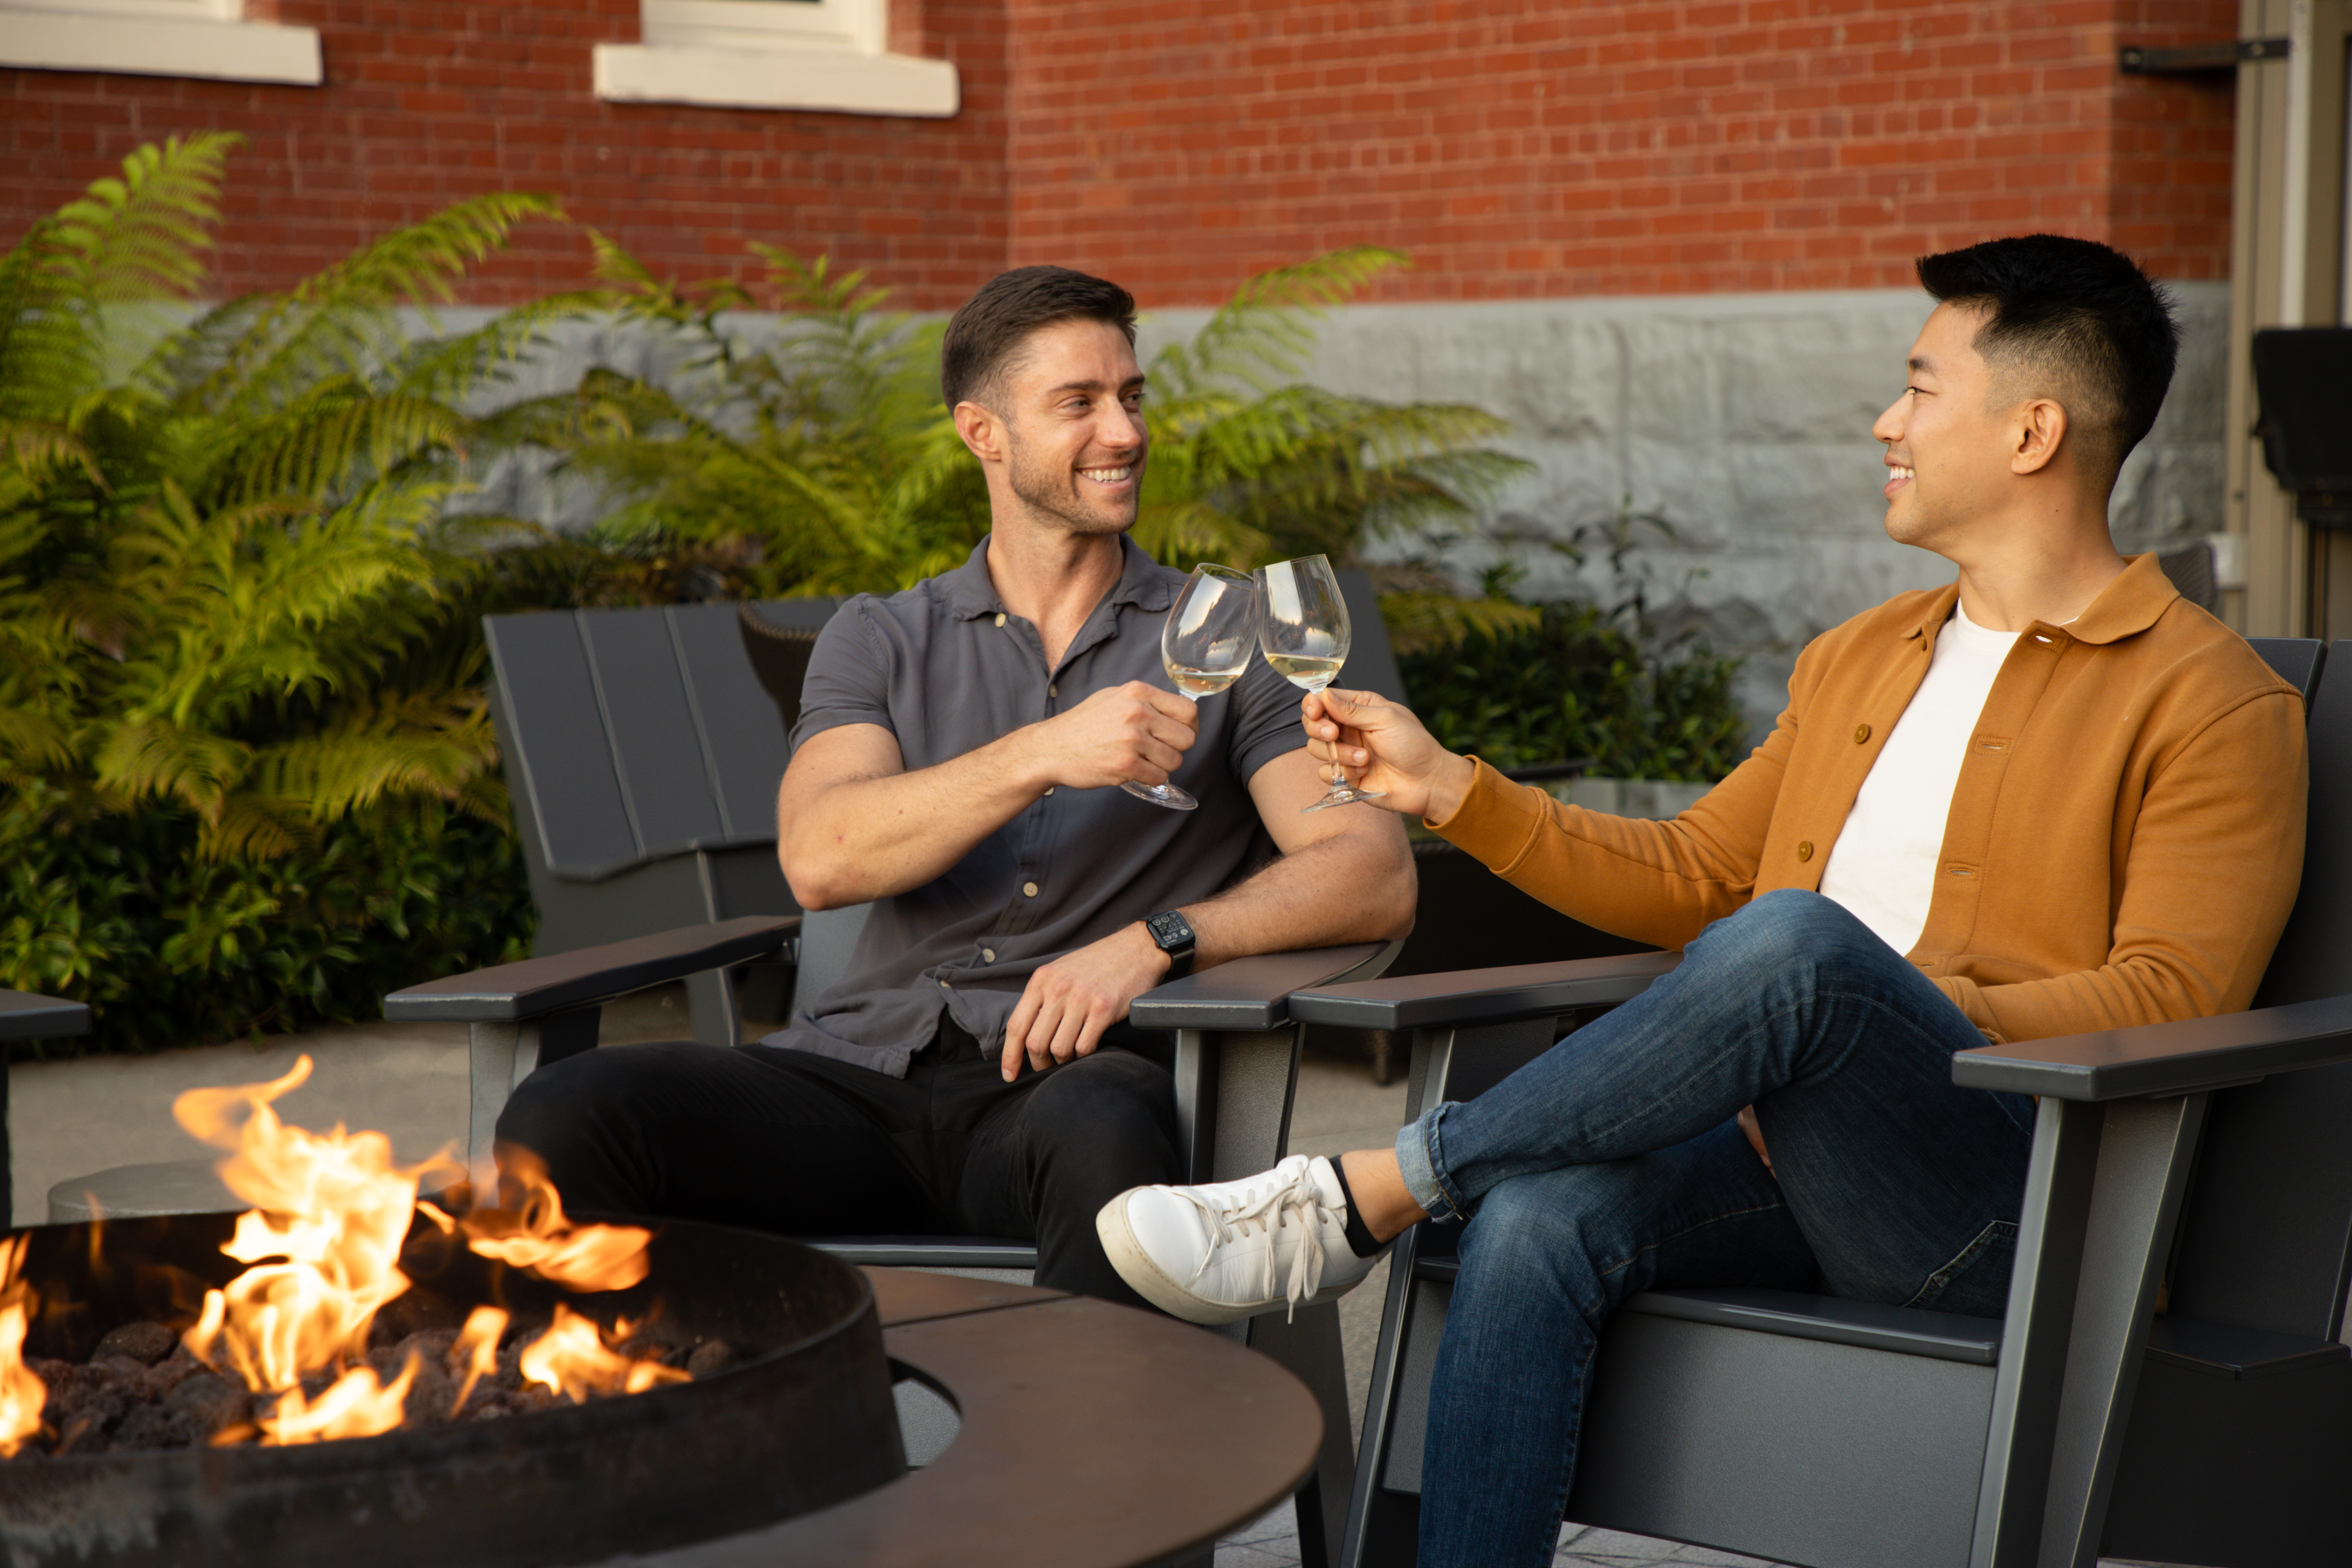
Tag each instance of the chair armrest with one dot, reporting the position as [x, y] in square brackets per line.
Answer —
[1483, 995]
[513, 993]
[1254, 993]
[25, 1015]
[2157, 1060]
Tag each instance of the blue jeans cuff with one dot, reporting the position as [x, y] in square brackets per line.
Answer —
[1417, 1161]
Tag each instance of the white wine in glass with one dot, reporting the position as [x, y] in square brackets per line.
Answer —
[1303, 628]
[1205, 648]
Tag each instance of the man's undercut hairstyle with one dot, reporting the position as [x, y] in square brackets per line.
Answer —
[983, 339]
[2072, 320]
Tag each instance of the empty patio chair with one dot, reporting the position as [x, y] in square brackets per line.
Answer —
[26, 1016]
[2168, 1382]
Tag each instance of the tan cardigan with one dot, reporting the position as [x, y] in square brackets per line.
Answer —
[2123, 847]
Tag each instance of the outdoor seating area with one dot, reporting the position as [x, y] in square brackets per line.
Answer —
[866, 784]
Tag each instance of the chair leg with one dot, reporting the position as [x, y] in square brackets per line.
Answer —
[710, 997]
[2144, 1155]
[1309, 1348]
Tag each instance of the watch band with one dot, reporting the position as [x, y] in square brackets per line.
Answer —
[1173, 934]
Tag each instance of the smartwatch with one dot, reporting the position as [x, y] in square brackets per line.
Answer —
[1173, 934]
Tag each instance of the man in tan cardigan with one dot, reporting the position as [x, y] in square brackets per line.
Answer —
[2053, 796]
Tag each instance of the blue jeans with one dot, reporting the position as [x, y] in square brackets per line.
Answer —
[1609, 1164]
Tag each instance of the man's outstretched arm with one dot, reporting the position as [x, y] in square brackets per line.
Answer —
[852, 824]
[1344, 874]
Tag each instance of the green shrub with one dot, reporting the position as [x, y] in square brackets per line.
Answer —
[1579, 684]
[1521, 684]
[170, 946]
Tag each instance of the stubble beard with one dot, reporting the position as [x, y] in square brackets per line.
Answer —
[1047, 493]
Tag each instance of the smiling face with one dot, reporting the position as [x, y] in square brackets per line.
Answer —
[1951, 441]
[1073, 439]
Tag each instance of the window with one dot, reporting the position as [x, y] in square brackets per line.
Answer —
[772, 54]
[157, 37]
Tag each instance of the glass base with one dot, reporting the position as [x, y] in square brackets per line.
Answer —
[1168, 795]
[1343, 795]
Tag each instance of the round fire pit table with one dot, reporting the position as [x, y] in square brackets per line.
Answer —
[1092, 1436]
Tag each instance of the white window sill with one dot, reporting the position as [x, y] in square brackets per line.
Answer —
[160, 46]
[841, 80]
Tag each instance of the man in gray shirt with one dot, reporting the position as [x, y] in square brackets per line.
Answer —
[956, 764]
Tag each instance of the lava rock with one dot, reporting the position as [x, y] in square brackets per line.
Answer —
[210, 1402]
[710, 1357]
[85, 1402]
[145, 1343]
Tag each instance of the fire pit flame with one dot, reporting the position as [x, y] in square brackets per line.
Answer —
[335, 1209]
[356, 1405]
[571, 1359]
[323, 1239]
[477, 1347]
[539, 1238]
[22, 1392]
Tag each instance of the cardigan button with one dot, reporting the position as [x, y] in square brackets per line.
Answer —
[1861, 733]
[1805, 850]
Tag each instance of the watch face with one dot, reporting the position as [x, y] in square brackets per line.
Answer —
[1168, 930]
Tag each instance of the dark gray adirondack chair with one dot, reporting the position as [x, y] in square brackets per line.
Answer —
[642, 757]
[645, 748]
[2212, 1154]
[25, 1015]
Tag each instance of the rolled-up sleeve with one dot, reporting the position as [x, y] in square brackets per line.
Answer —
[849, 675]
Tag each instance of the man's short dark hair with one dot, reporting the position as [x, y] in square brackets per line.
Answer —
[2076, 320]
[984, 338]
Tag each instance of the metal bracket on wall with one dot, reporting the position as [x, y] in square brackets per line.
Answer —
[2198, 58]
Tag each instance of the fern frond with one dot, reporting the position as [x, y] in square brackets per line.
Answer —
[431, 744]
[139, 237]
[36, 449]
[154, 757]
[249, 826]
[338, 321]
[1265, 331]
[143, 237]
[316, 445]
[1421, 621]
[1179, 534]
[450, 370]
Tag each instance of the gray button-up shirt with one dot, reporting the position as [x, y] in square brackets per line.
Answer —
[947, 669]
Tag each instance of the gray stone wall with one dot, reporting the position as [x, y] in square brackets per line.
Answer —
[1743, 418]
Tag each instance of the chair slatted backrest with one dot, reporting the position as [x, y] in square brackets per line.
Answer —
[638, 734]
[2266, 1232]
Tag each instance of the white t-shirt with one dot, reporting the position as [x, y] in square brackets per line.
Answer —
[1883, 866]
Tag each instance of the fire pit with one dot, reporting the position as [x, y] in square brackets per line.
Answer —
[730, 1392]
[802, 1418]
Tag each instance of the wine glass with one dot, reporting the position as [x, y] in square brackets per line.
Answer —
[1303, 628]
[1205, 647]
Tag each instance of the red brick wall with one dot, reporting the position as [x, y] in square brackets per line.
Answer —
[1558, 147]
[427, 102]
[1514, 147]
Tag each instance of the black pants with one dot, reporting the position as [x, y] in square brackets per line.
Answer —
[804, 1145]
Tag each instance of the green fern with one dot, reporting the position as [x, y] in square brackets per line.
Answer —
[818, 459]
[232, 597]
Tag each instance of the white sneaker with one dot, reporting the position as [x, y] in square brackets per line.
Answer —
[1212, 1254]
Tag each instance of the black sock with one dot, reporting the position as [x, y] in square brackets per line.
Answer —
[1359, 1237]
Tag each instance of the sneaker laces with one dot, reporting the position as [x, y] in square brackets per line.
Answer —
[1296, 1204]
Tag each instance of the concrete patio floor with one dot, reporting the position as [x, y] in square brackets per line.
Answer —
[71, 1119]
